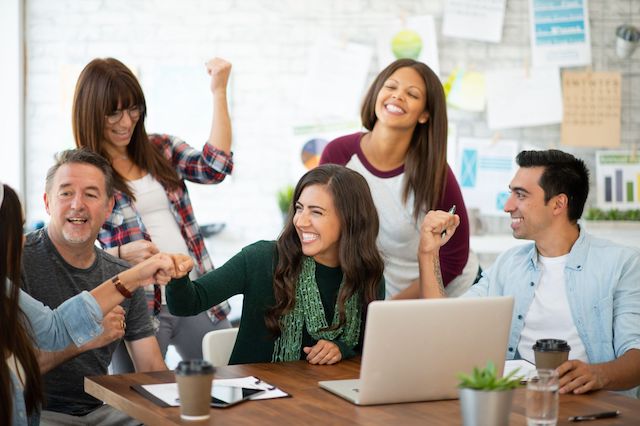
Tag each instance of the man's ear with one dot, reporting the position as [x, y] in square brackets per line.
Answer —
[561, 203]
[46, 203]
[424, 117]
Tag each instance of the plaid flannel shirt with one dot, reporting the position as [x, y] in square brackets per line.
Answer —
[210, 166]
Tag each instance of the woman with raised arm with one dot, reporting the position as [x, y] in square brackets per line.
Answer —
[152, 209]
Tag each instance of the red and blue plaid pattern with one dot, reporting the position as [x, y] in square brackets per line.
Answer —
[209, 166]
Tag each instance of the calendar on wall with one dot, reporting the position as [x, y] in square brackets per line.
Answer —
[591, 108]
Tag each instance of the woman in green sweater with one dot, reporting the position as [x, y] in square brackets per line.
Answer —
[306, 294]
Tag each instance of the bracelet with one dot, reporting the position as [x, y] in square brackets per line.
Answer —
[119, 253]
[122, 289]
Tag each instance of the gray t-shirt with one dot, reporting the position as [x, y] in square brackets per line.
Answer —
[48, 278]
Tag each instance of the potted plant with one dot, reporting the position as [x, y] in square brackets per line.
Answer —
[485, 398]
[285, 198]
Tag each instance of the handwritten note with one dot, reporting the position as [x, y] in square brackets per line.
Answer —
[592, 108]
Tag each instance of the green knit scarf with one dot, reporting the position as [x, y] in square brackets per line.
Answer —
[308, 310]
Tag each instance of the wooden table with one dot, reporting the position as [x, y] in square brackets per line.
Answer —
[311, 405]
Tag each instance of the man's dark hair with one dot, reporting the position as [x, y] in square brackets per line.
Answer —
[563, 174]
[82, 156]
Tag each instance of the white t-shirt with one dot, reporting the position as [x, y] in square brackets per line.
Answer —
[549, 315]
[154, 208]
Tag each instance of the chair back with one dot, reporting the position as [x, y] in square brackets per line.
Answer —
[217, 346]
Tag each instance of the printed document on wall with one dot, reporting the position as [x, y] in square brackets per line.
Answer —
[413, 37]
[618, 180]
[592, 108]
[523, 97]
[308, 140]
[474, 19]
[485, 169]
[560, 33]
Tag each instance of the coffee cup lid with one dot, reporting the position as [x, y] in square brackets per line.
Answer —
[551, 345]
[194, 366]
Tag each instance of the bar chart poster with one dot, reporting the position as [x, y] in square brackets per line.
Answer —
[618, 180]
[485, 169]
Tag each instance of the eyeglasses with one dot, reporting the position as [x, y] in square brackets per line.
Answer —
[134, 113]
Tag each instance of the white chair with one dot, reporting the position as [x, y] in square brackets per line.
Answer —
[217, 346]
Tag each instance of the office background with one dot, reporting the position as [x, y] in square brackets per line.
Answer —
[269, 44]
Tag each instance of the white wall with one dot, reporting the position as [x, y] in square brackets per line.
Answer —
[12, 93]
[268, 44]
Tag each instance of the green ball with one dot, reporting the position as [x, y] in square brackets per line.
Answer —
[406, 44]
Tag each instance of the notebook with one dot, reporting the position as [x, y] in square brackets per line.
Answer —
[414, 349]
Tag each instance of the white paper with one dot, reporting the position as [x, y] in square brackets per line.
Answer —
[524, 367]
[474, 19]
[168, 392]
[335, 81]
[520, 97]
[560, 34]
[485, 169]
[413, 37]
[618, 180]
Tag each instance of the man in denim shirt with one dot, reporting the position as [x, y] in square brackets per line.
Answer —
[567, 285]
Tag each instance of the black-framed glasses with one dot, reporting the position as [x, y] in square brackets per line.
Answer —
[134, 113]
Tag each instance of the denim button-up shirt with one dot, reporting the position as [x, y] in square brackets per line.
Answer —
[602, 281]
[78, 320]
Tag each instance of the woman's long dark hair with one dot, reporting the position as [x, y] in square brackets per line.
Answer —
[361, 263]
[102, 84]
[15, 337]
[425, 166]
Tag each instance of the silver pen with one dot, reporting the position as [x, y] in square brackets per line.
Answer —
[595, 416]
[452, 210]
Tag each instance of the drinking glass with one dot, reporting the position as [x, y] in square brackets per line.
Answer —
[542, 398]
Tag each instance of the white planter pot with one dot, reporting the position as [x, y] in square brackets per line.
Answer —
[485, 408]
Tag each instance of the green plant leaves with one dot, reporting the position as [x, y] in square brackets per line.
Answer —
[613, 214]
[285, 198]
[487, 379]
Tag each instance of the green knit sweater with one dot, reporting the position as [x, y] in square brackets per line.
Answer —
[250, 273]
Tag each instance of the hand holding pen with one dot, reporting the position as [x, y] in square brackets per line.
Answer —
[452, 211]
[437, 228]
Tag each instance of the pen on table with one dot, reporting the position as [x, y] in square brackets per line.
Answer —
[595, 416]
[452, 210]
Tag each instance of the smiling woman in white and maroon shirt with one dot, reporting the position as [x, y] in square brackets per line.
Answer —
[403, 158]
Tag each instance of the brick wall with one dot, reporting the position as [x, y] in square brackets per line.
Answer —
[268, 44]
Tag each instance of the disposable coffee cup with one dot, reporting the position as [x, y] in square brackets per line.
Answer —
[550, 353]
[194, 378]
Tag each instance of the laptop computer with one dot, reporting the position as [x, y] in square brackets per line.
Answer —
[413, 349]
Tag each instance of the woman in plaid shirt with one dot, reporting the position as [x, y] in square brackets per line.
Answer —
[152, 209]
